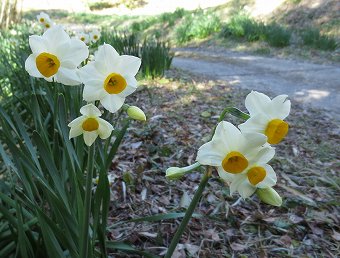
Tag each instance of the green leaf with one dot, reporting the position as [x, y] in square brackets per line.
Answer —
[116, 144]
[121, 246]
[153, 218]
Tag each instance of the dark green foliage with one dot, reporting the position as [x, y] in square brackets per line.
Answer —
[156, 56]
[99, 5]
[198, 25]
[171, 18]
[243, 26]
[41, 170]
[312, 37]
[277, 36]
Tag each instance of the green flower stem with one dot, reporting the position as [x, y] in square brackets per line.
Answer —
[87, 209]
[189, 212]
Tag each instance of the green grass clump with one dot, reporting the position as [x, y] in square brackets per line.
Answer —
[313, 38]
[197, 26]
[277, 36]
[100, 5]
[140, 26]
[242, 26]
[156, 56]
[171, 18]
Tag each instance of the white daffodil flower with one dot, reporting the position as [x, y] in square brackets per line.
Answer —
[56, 57]
[84, 37]
[48, 25]
[266, 116]
[110, 78]
[43, 18]
[95, 35]
[257, 175]
[90, 125]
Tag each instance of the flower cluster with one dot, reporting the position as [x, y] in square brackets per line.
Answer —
[88, 38]
[109, 78]
[242, 155]
[45, 20]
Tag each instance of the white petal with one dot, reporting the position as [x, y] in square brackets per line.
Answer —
[38, 44]
[77, 121]
[280, 107]
[106, 59]
[255, 140]
[112, 102]
[75, 131]
[255, 124]
[211, 154]
[93, 93]
[245, 189]
[90, 110]
[225, 175]
[67, 76]
[270, 179]
[237, 181]
[130, 88]
[55, 36]
[75, 51]
[253, 144]
[90, 137]
[89, 75]
[228, 137]
[31, 67]
[129, 65]
[257, 102]
[263, 156]
[105, 129]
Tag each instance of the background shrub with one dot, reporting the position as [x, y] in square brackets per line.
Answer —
[198, 25]
[242, 26]
[312, 37]
[277, 36]
[156, 56]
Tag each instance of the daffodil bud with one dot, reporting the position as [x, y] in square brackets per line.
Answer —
[174, 173]
[136, 113]
[270, 196]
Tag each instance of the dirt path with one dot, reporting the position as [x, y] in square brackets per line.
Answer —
[311, 84]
